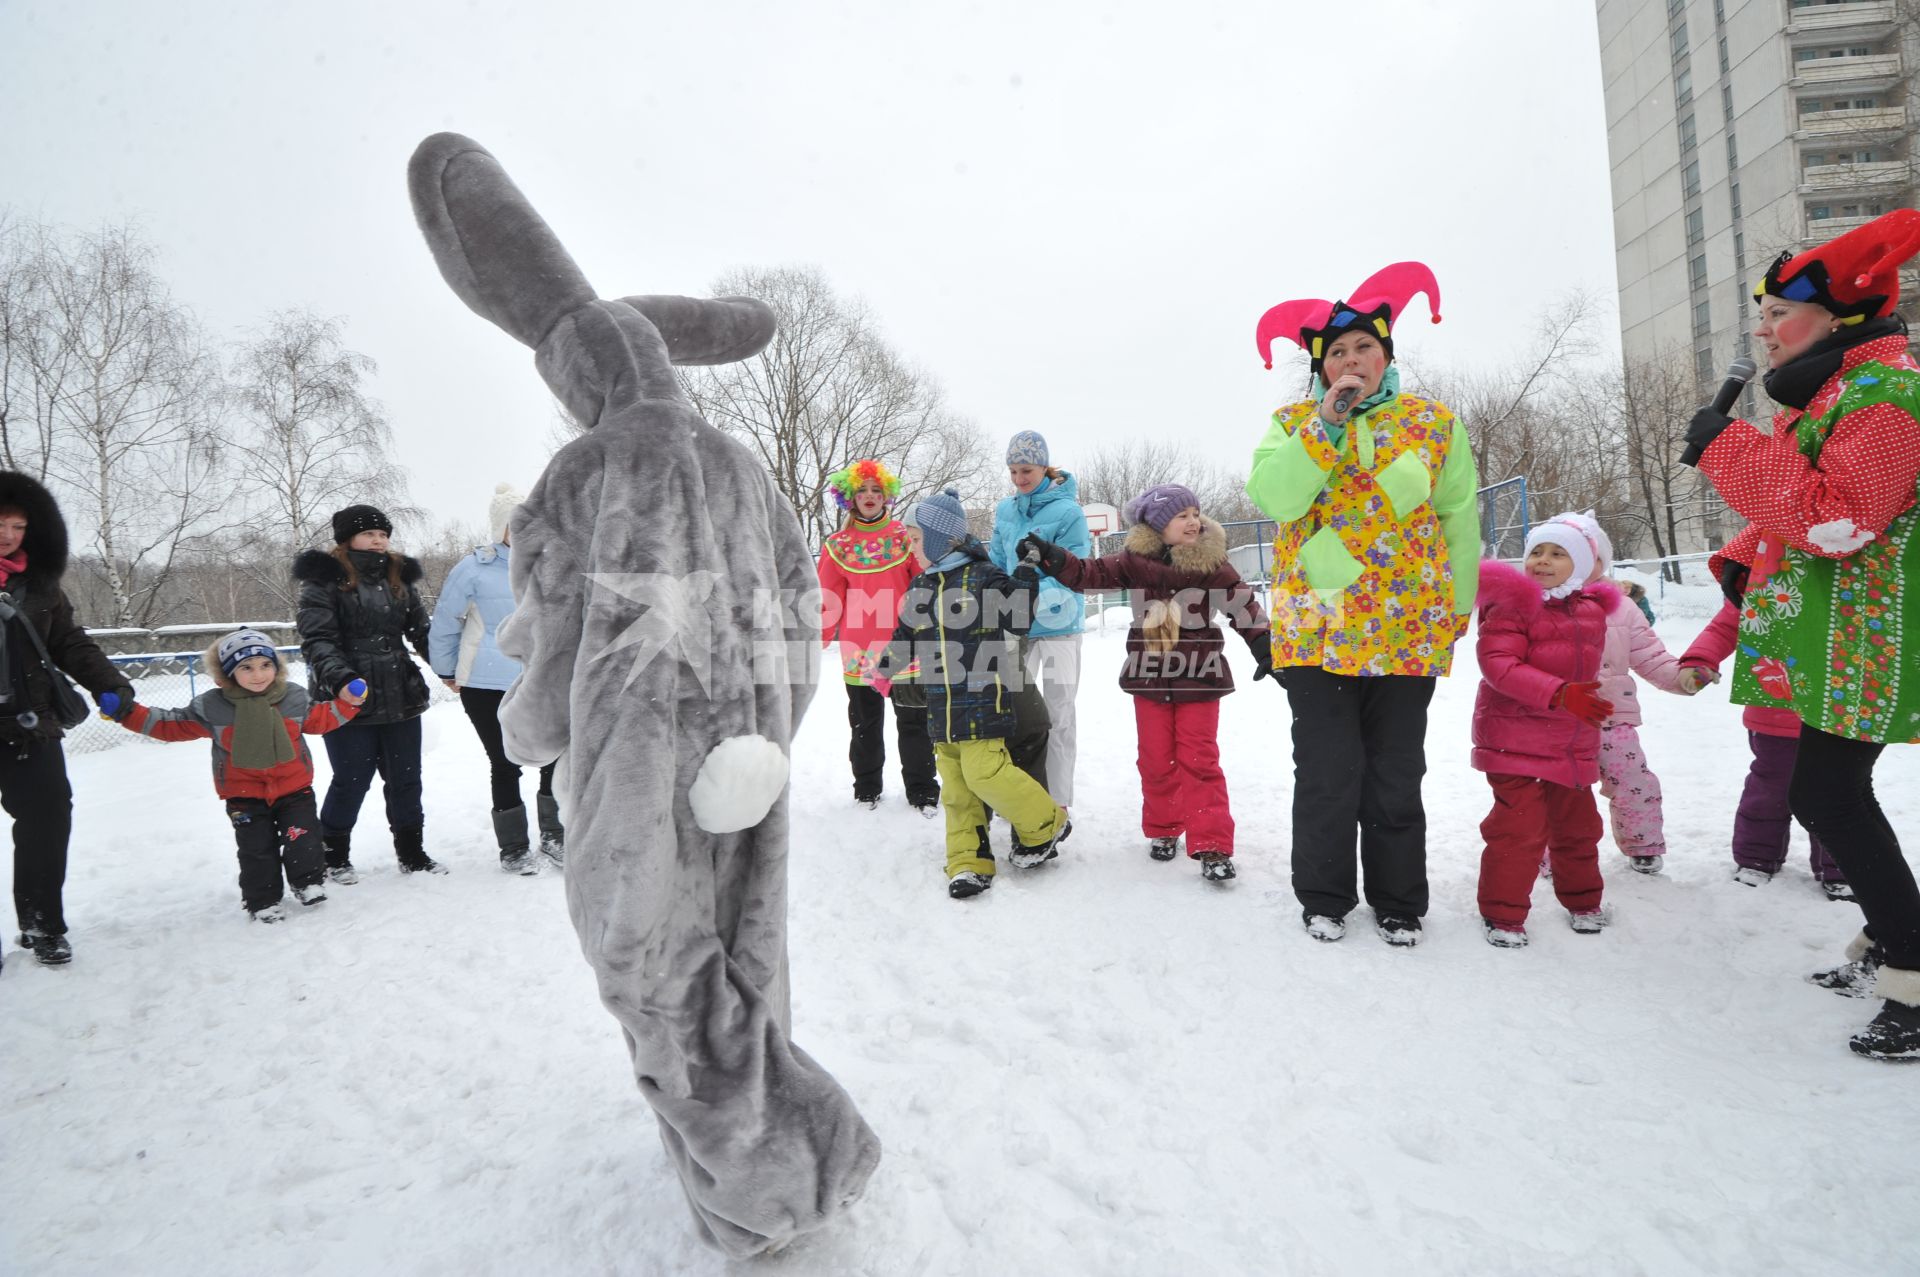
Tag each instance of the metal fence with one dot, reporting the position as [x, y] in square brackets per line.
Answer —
[168, 680]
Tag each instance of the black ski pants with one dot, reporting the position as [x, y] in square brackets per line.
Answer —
[359, 750]
[285, 832]
[867, 717]
[482, 705]
[1359, 753]
[35, 793]
[1831, 793]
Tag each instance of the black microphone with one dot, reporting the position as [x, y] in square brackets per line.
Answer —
[1739, 373]
[1344, 400]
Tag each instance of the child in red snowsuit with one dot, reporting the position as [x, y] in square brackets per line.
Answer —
[1536, 727]
[261, 766]
[1175, 562]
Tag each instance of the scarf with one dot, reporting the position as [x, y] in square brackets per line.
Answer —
[260, 739]
[1795, 383]
[12, 567]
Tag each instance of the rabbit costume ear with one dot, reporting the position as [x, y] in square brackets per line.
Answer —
[495, 251]
[724, 330]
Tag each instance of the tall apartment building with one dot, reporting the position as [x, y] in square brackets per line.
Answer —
[1736, 129]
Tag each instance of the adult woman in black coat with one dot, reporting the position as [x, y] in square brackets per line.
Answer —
[33, 766]
[359, 608]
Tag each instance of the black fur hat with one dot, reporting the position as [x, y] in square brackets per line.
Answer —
[46, 540]
[356, 519]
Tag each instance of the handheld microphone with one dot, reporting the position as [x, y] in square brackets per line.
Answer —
[1739, 373]
[1343, 401]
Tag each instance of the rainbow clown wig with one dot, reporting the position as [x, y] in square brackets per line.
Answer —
[849, 481]
[1313, 325]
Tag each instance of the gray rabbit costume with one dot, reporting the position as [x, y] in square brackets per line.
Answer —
[655, 567]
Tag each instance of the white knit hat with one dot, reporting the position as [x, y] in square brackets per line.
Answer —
[1580, 536]
[506, 499]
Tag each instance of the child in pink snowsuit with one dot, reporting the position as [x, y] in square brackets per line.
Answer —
[1536, 727]
[1627, 781]
[1763, 823]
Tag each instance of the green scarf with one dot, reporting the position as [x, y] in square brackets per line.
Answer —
[260, 739]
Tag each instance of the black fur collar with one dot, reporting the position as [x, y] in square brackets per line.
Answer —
[320, 565]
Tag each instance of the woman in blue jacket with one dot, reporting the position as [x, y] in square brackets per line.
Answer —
[1046, 503]
[475, 599]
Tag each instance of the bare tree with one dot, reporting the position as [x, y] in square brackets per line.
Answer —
[306, 438]
[26, 408]
[122, 392]
[827, 390]
[1117, 472]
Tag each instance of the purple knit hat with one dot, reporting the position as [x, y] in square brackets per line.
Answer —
[1157, 505]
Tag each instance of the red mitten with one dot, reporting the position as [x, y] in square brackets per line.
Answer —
[1582, 700]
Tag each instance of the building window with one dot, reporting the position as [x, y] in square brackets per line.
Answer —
[1687, 137]
[1690, 178]
[1703, 364]
[1680, 42]
[1864, 104]
[1719, 13]
[1696, 227]
[1726, 102]
[1723, 55]
[1740, 249]
[1683, 86]
[1702, 319]
[1819, 213]
[1859, 51]
[1805, 55]
[1812, 159]
[1733, 154]
[1697, 271]
[1733, 197]
[1809, 106]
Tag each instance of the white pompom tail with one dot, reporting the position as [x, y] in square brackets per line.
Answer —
[738, 784]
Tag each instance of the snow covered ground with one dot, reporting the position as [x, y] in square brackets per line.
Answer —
[1103, 1067]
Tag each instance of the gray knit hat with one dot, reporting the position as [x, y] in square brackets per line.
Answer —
[1028, 448]
[943, 523]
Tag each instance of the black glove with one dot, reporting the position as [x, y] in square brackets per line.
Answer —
[116, 703]
[1263, 664]
[1027, 575]
[1733, 582]
[1702, 431]
[1051, 558]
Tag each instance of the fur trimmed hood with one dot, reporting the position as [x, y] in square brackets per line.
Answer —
[1204, 556]
[210, 665]
[1504, 586]
[46, 540]
[321, 566]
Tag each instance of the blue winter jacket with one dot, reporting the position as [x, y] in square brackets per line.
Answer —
[1052, 513]
[474, 600]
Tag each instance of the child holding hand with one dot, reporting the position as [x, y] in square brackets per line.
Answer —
[257, 720]
[1536, 727]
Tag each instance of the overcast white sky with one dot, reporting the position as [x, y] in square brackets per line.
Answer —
[1072, 214]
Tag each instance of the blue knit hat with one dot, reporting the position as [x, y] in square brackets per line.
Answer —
[943, 523]
[242, 645]
[1028, 448]
[1157, 505]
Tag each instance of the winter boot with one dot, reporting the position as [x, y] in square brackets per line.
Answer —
[409, 846]
[553, 835]
[1646, 864]
[1025, 857]
[310, 893]
[1505, 937]
[339, 860]
[967, 883]
[1401, 929]
[268, 914]
[510, 831]
[1589, 923]
[1323, 928]
[1894, 1034]
[1837, 890]
[1752, 877]
[1164, 848]
[1854, 977]
[1215, 866]
[48, 950]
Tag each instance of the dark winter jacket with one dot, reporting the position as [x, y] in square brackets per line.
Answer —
[363, 632]
[210, 716]
[963, 628]
[39, 601]
[1530, 647]
[1175, 590]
